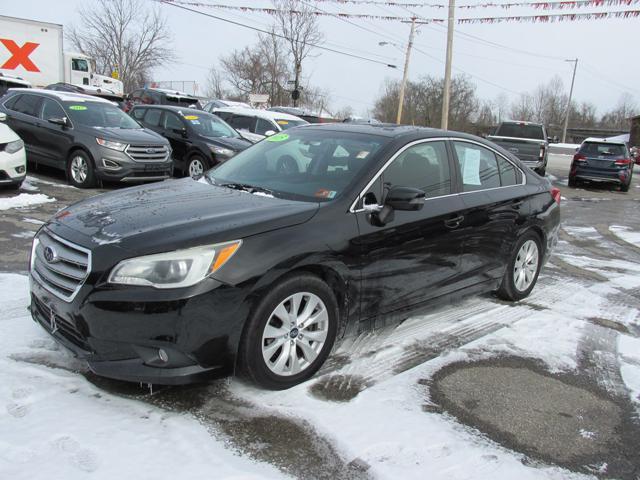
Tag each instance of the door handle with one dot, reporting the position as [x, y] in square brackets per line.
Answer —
[516, 204]
[454, 222]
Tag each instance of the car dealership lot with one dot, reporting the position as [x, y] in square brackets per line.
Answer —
[545, 388]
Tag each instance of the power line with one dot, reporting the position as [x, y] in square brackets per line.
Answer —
[315, 45]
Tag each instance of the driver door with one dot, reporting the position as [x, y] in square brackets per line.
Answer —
[55, 140]
[416, 256]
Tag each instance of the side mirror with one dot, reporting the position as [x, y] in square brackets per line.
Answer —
[405, 198]
[180, 131]
[268, 133]
[3, 117]
[62, 121]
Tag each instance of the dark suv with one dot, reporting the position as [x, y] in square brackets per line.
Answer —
[199, 139]
[88, 137]
[159, 96]
[601, 160]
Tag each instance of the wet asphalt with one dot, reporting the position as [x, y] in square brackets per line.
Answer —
[568, 420]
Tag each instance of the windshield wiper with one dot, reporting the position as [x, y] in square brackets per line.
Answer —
[246, 188]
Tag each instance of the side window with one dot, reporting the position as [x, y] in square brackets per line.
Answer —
[79, 65]
[138, 113]
[240, 122]
[28, 104]
[10, 103]
[263, 126]
[51, 109]
[508, 174]
[152, 118]
[223, 115]
[424, 166]
[171, 121]
[478, 167]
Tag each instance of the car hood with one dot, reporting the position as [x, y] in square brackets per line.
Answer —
[235, 144]
[7, 135]
[146, 219]
[130, 135]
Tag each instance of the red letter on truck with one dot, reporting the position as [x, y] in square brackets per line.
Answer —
[20, 55]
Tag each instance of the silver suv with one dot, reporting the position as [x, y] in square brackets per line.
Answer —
[88, 137]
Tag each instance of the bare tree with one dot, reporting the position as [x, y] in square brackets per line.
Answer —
[619, 117]
[522, 108]
[297, 23]
[124, 35]
[214, 87]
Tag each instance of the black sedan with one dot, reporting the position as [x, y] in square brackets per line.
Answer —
[199, 140]
[267, 260]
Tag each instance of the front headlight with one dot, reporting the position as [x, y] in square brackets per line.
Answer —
[182, 268]
[224, 152]
[15, 146]
[112, 145]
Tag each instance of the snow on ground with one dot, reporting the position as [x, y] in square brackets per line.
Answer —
[582, 232]
[55, 424]
[24, 200]
[31, 180]
[629, 351]
[626, 234]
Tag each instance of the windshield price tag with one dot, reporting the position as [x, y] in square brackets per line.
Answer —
[278, 137]
[77, 107]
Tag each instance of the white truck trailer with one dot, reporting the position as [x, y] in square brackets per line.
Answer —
[34, 51]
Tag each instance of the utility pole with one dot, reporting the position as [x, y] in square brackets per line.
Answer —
[566, 117]
[446, 94]
[406, 70]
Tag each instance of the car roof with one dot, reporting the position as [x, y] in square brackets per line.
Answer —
[254, 112]
[173, 93]
[604, 140]
[63, 96]
[14, 79]
[522, 122]
[391, 130]
[174, 108]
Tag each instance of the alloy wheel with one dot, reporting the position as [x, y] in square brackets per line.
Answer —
[196, 168]
[79, 169]
[295, 334]
[526, 265]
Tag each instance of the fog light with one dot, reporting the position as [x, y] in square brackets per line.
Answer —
[110, 164]
[21, 169]
[162, 355]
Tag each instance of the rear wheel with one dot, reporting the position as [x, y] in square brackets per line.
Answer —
[625, 186]
[523, 268]
[290, 334]
[80, 170]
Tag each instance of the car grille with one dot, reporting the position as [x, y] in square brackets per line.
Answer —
[64, 274]
[148, 153]
[57, 324]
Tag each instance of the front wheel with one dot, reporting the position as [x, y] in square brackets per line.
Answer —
[196, 166]
[523, 268]
[80, 170]
[290, 334]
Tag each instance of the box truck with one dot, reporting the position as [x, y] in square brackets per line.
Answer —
[33, 51]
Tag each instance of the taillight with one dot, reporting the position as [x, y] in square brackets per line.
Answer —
[542, 152]
[555, 193]
[578, 157]
[623, 161]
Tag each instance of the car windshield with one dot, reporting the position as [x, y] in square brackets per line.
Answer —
[286, 123]
[306, 165]
[100, 115]
[210, 125]
[609, 150]
[520, 130]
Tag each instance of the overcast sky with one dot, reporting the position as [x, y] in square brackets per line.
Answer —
[607, 49]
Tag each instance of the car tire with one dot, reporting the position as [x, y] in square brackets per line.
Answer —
[15, 186]
[268, 345]
[542, 172]
[196, 166]
[625, 186]
[573, 182]
[523, 268]
[80, 170]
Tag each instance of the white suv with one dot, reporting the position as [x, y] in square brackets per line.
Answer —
[254, 124]
[13, 159]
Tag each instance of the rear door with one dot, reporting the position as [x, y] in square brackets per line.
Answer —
[416, 256]
[25, 121]
[172, 128]
[494, 204]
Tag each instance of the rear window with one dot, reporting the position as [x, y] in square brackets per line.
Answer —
[285, 124]
[595, 149]
[181, 101]
[520, 130]
[28, 104]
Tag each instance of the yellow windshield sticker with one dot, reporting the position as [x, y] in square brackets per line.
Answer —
[77, 107]
[191, 117]
[282, 122]
[278, 137]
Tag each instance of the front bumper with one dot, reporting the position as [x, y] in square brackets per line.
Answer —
[620, 176]
[114, 166]
[121, 332]
[13, 167]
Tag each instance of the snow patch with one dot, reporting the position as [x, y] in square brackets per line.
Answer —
[626, 234]
[24, 200]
